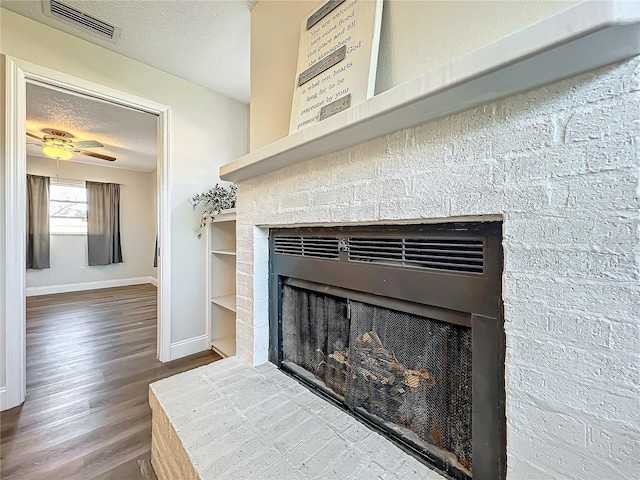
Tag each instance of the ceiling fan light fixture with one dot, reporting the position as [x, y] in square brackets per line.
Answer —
[56, 151]
[61, 145]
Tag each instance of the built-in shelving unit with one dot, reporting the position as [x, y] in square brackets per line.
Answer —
[583, 37]
[221, 283]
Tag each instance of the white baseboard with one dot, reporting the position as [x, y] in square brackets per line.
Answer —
[3, 398]
[189, 347]
[78, 287]
[10, 399]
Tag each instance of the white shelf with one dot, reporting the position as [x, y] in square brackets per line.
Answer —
[224, 252]
[221, 279]
[582, 38]
[225, 301]
[225, 346]
[228, 215]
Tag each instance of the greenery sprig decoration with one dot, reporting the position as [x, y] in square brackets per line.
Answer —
[215, 200]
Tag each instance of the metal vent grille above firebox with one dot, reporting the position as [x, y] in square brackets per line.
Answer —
[301, 246]
[435, 253]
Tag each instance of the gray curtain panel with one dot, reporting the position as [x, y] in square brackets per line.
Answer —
[155, 255]
[103, 223]
[37, 222]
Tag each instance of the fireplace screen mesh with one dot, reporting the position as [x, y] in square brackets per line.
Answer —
[315, 326]
[412, 373]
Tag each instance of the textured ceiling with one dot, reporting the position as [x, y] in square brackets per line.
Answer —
[128, 135]
[203, 41]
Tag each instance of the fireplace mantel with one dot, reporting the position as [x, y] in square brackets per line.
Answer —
[582, 38]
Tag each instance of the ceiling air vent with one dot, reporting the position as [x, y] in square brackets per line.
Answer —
[453, 255]
[69, 14]
[300, 246]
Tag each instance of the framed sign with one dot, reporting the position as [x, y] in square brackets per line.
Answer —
[337, 59]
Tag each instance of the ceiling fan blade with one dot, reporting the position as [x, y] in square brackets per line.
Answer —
[96, 155]
[33, 136]
[87, 144]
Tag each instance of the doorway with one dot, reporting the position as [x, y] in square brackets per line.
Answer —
[17, 75]
[73, 140]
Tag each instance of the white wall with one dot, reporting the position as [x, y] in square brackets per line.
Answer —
[419, 35]
[137, 223]
[207, 130]
[272, 94]
[416, 36]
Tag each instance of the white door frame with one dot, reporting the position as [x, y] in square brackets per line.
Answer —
[13, 246]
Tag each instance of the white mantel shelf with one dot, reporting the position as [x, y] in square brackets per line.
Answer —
[582, 38]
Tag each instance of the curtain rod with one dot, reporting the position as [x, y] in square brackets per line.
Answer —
[70, 180]
[114, 183]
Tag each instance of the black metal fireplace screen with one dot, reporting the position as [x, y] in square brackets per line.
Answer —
[372, 319]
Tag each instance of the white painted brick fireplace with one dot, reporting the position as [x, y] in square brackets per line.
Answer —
[560, 167]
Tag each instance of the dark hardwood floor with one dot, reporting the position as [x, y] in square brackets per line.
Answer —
[90, 358]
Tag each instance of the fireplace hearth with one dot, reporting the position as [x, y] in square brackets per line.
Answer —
[402, 327]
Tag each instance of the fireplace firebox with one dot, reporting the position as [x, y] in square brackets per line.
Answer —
[402, 327]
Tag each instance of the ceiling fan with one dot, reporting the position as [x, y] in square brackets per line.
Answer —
[61, 146]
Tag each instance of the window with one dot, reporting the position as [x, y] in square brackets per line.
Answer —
[67, 207]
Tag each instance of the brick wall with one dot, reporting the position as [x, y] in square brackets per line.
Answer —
[560, 166]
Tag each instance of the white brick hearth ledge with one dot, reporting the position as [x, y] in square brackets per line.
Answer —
[227, 420]
[584, 37]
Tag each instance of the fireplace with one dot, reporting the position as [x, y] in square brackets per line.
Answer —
[402, 327]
